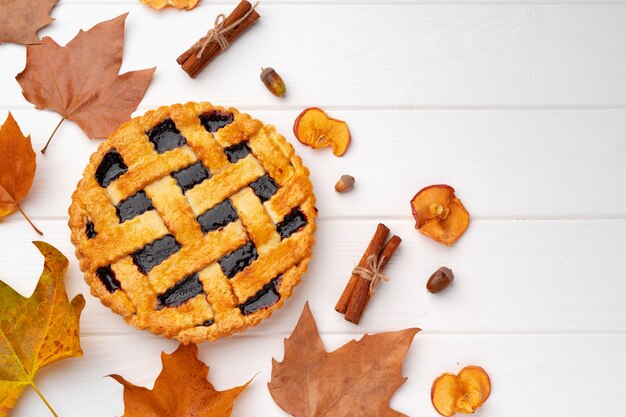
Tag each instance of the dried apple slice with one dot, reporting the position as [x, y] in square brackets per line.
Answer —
[476, 383]
[439, 214]
[462, 393]
[315, 128]
[431, 202]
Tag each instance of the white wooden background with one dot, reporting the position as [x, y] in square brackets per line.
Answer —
[519, 104]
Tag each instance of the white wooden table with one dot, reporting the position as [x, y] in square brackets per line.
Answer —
[519, 104]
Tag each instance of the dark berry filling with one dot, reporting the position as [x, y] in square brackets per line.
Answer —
[264, 188]
[215, 120]
[90, 230]
[107, 276]
[264, 298]
[133, 206]
[111, 168]
[292, 222]
[156, 252]
[238, 260]
[189, 177]
[165, 136]
[184, 290]
[236, 152]
[218, 216]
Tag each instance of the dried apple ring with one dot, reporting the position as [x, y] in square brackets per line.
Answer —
[315, 128]
[439, 214]
[462, 393]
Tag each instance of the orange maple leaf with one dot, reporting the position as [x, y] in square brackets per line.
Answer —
[358, 379]
[179, 4]
[20, 20]
[17, 168]
[81, 81]
[181, 389]
[36, 331]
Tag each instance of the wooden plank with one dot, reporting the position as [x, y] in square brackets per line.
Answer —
[442, 56]
[504, 164]
[511, 276]
[387, 3]
[531, 374]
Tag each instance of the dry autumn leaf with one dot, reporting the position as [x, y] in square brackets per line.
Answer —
[358, 379]
[81, 81]
[17, 168]
[36, 331]
[181, 389]
[21, 19]
[179, 4]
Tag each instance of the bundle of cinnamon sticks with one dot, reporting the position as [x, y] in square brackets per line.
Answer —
[193, 60]
[363, 281]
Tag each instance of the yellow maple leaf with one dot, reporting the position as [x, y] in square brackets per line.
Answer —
[36, 331]
[179, 4]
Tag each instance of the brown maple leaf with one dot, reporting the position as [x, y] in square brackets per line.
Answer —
[358, 379]
[81, 81]
[181, 389]
[36, 331]
[17, 168]
[20, 20]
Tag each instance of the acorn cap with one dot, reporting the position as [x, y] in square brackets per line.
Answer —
[266, 71]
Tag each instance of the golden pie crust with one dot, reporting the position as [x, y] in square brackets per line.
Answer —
[194, 221]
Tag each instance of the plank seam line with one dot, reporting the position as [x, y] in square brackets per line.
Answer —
[358, 334]
[389, 3]
[294, 107]
[364, 218]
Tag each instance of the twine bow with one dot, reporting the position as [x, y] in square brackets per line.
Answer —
[219, 32]
[373, 272]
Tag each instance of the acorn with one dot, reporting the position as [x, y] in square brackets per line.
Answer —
[273, 81]
[345, 183]
[440, 280]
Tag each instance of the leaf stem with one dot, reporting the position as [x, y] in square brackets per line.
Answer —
[44, 399]
[45, 148]
[28, 220]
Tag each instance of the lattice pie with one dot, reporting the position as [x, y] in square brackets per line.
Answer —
[194, 221]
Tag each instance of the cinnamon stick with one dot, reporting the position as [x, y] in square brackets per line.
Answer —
[361, 293]
[190, 60]
[374, 248]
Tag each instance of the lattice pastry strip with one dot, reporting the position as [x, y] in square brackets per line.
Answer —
[269, 155]
[220, 295]
[192, 258]
[194, 221]
[292, 195]
[224, 184]
[131, 141]
[275, 262]
[146, 173]
[103, 214]
[209, 151]
[193, 312]
[106, 286]
[256, 220]
[273, 293]
[171, 204]
[241, 129]
[118, 241]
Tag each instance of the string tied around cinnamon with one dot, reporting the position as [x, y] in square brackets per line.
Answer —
[373, 272]
[218, 33]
